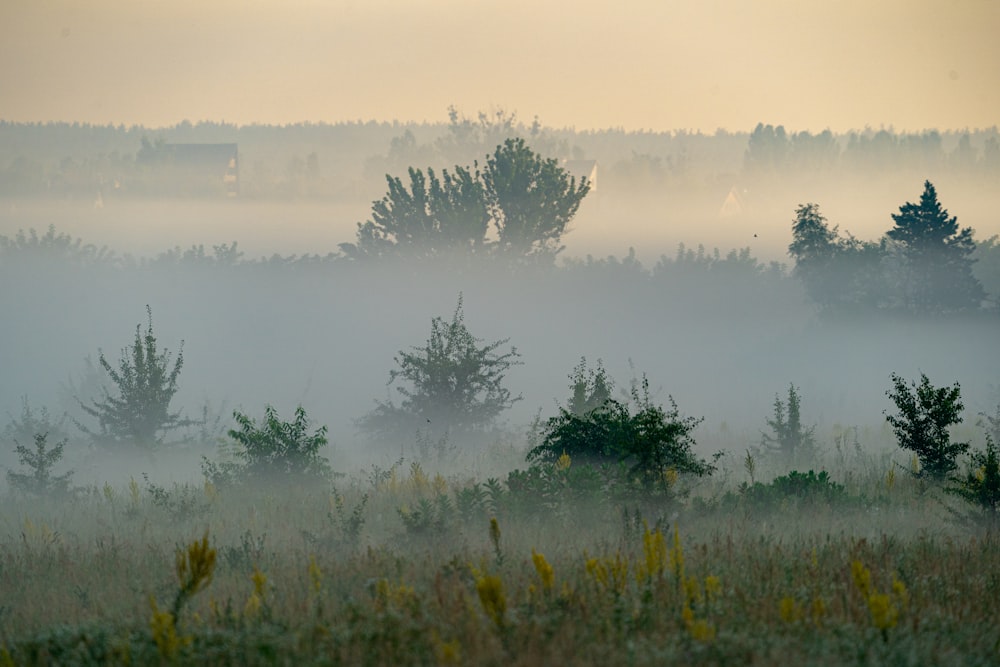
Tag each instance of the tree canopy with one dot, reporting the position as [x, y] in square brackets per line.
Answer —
[526, 200]
[936, 257]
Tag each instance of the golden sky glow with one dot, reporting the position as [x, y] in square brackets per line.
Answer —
[636, 64]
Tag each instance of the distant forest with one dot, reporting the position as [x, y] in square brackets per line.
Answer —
[349, 161]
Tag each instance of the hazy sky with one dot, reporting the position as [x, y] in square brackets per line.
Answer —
[637, 64]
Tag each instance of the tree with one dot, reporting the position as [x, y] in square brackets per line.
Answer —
[139, 414]
[921, 425]
[526, 199]
[814, 248]
[434, 217]
[531, 200]
[452, 384]
[936, 258]
[789, 440]
[838, 273]
[40, 481]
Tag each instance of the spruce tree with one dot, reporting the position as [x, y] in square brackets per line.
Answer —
[936, 258]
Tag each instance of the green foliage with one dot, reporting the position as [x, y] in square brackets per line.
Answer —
[452, 384]
[531, 200]
[528, 200]
[181, 501]
[139, 413]
[981, 485]
[937, 262]
[40, 461]
[650, 441]
[272, 450]
[838, 273]
[921, 424]
[32, 422]
[789, 441]
[803, 488]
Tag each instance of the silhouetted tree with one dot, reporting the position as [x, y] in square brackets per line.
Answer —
[935, 258]
[453, 384]
[434, 216]
[814, 248]
[139, 413]
[527, 199]
[531, 200]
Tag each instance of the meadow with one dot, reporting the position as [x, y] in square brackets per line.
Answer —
[405, 565]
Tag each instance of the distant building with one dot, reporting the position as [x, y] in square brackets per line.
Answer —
[582, 169]
[194, 169]
[733, 205]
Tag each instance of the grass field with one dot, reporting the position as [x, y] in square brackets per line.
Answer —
[406, 566]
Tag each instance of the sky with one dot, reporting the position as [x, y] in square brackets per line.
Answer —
[633, 64]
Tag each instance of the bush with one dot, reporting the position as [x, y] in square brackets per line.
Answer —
[921, 425]
[272, 449]
[651, 442]
[981, 485]
[804, 488]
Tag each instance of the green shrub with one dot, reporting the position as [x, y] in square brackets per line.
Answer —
[273, 449]
[801, 488]
[921, 425]
[651, 441]
[981, 485]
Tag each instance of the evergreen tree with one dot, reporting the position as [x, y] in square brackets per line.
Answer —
[454, 384]
[789, 441]
[139, 414]
[936, 258]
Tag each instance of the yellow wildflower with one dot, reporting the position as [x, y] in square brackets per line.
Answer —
[448, 653]
[315, 574]
[862, 577]
[563, 462]
[884, 612]
[195, 566]
[164, 630]
[818, 609]
[788, 609]
[654, 549]
[492, 597]
[544, 570]
[712, 588]
[676, 556]
[900, 592]
[439, 484]
[259, 582]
